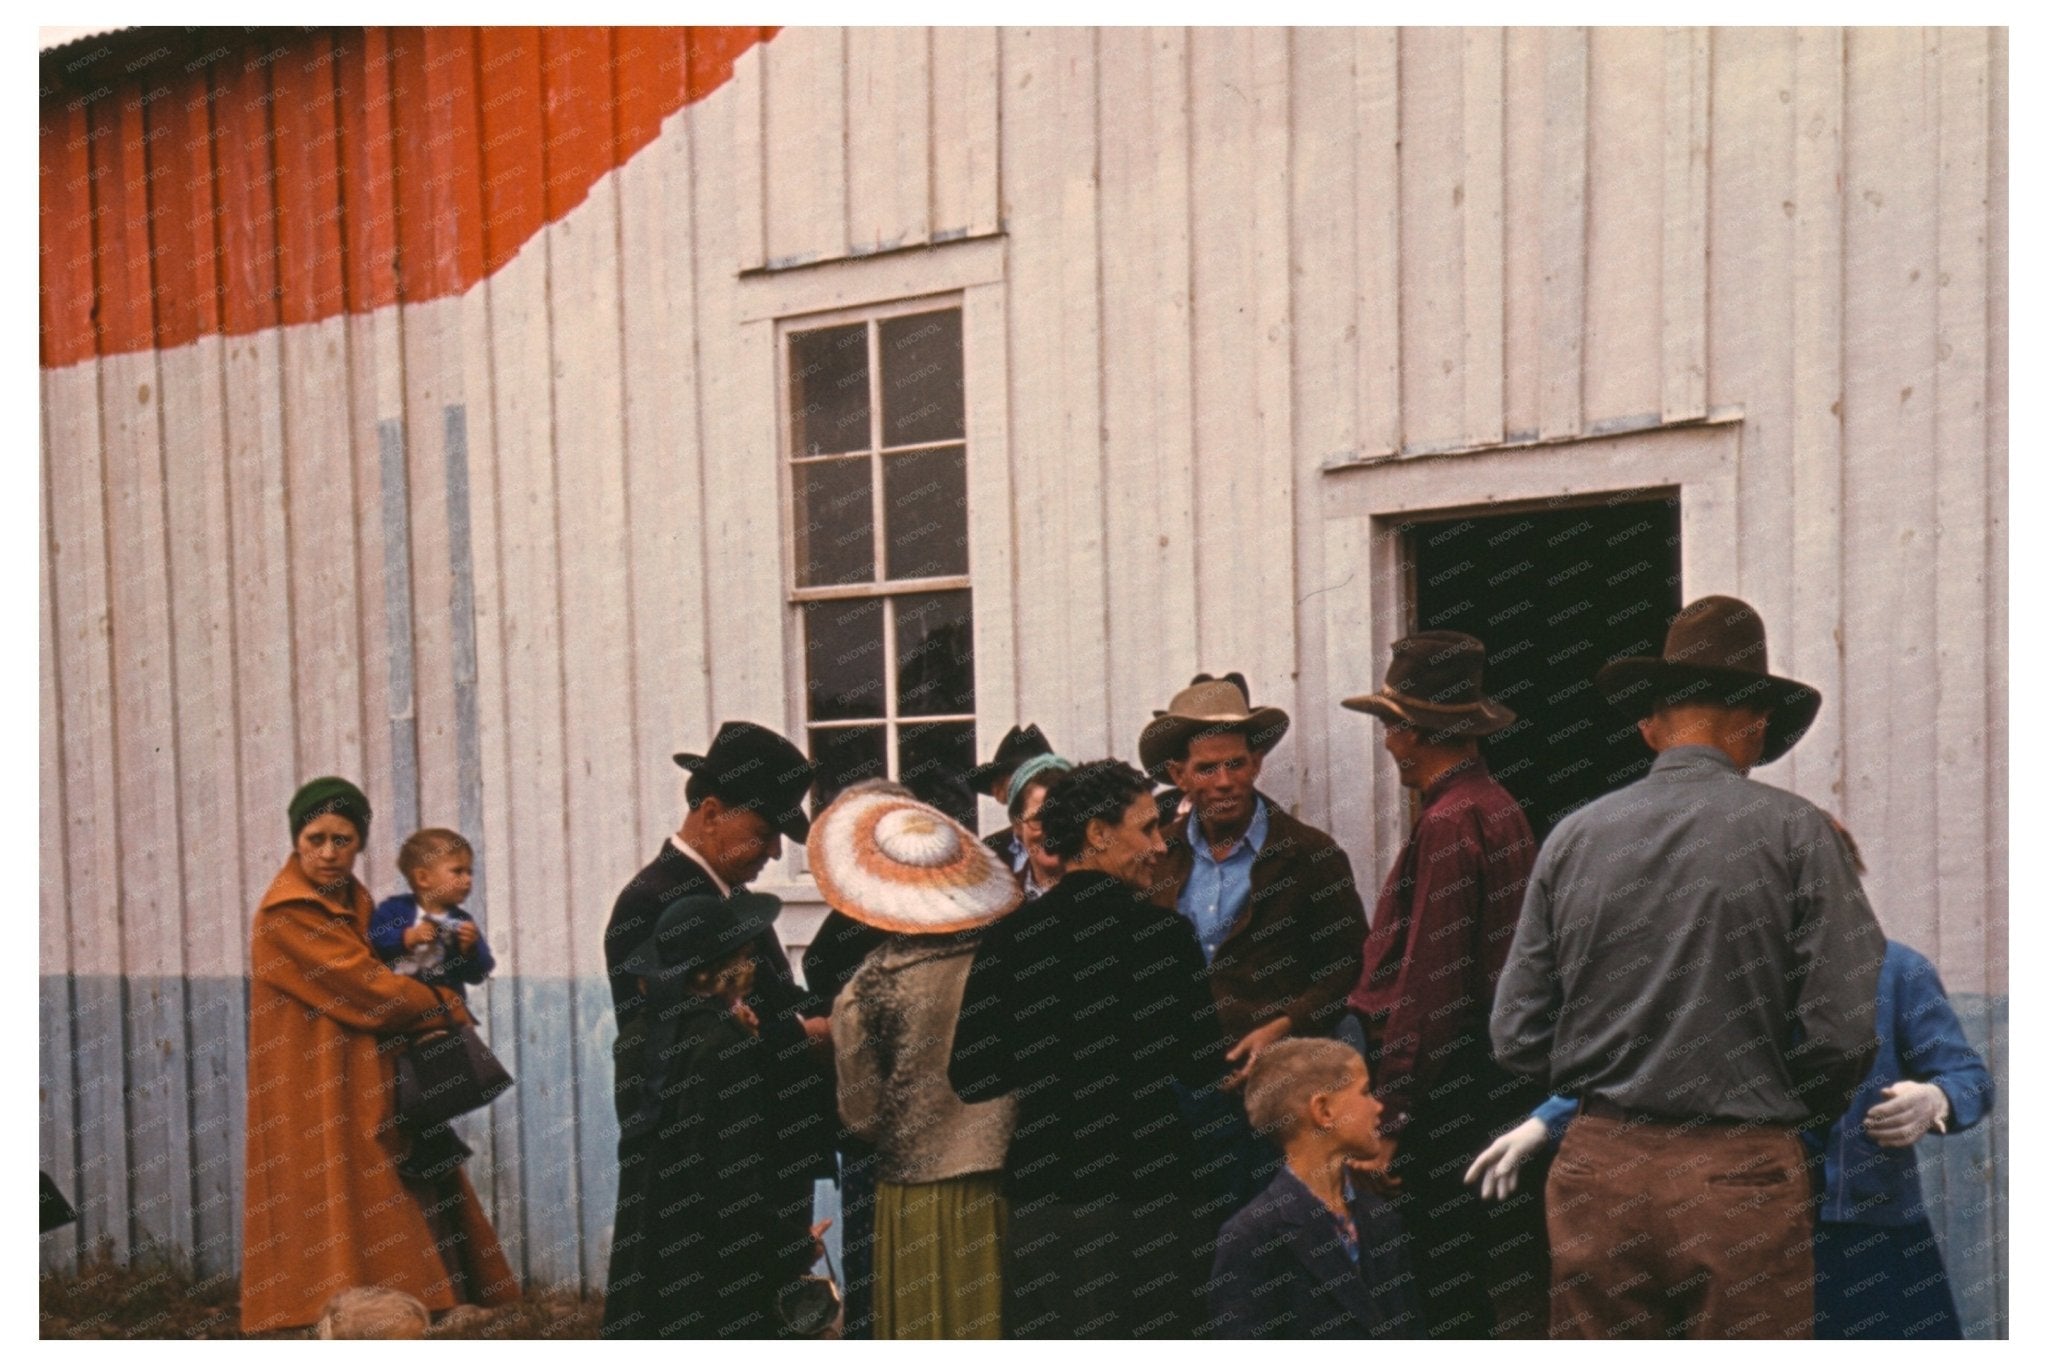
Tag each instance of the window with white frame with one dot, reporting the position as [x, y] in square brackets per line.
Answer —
[877, 452]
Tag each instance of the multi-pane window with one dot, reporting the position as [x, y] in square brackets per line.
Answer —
[878, 469]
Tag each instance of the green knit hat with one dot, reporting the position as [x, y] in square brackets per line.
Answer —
[323, 796]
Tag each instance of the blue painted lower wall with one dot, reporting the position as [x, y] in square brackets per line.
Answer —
[545, 1153]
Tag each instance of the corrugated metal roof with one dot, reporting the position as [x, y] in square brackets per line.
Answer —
[49, 39]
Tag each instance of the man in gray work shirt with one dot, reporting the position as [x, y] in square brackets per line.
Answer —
[1696, 962]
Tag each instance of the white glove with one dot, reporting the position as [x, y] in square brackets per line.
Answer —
[1494, 1170]
[1909, 1110]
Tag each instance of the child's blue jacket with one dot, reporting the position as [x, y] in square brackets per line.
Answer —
[394, 916]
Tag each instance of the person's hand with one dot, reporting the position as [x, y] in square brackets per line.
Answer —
[417, 934]
[818, 1029]
[1909, 1110]
[1247, 1049]
[818, 1240]
[465, 935]
[1495, 1169]
[1377, 1173]
[744, 1013]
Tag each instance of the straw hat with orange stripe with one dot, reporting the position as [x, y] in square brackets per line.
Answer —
[899, 865]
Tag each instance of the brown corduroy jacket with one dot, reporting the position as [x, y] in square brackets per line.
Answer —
[1295, 951]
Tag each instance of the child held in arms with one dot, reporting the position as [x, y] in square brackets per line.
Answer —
[425, 933]
[1316, 1254]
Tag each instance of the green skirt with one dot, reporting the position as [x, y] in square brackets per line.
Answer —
[939, 1258]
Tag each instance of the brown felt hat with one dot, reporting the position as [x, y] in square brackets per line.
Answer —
[1208, 706]
[1436, 683]
[1714, 652]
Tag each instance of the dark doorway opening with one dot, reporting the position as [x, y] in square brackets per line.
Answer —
[1555, 594]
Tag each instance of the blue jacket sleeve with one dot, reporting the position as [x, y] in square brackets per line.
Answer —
[1933, 1048]
[1556, 1114]
[1249, 1284]
[388, 924]
[472, 967]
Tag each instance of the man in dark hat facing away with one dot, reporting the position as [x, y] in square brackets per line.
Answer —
[1695, 962]
[745, 794]
[992, 780]
[1440, 933]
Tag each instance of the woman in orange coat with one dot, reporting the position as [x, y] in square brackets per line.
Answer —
[324, 1206]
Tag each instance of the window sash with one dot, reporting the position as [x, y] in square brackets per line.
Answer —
[891, 721]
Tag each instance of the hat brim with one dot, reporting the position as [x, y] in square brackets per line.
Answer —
[1490, 719]
[792, 824]
[1023, 742]
[752, 913]
[964, 890]
[1168, 735]
[982, 778]
[1637, 685]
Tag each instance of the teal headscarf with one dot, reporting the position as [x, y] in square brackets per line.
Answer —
[322, 796]
[1035, 766]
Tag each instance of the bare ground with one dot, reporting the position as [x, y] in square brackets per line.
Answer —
[106, 1300]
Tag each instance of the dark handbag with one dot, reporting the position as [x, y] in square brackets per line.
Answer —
[447, 1073]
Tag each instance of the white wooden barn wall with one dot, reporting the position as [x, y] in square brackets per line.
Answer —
[1201, 266]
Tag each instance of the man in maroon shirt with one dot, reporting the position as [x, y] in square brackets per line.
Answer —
[1439, 938]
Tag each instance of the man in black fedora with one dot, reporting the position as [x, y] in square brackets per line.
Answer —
[1440, 933]
[992, 780]
[1696, 963]
[745, 795]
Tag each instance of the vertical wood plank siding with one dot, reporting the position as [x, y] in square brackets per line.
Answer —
[503, 276]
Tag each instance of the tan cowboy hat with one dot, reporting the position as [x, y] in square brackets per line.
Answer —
[899, 865]
[1208, 706]
[1714, 652]
[1435, 684]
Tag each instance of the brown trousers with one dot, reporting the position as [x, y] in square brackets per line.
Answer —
[1660, 1230]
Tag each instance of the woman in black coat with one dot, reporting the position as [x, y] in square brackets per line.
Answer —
[1091, 1005]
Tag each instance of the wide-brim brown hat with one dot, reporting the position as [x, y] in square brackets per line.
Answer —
[898, 864]
[1023, 742]
[1714, 652]
[1212, 706]
[1436, 683]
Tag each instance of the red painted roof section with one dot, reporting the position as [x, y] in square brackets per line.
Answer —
[288, 178]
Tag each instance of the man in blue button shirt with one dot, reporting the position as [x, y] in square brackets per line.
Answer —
[1271, 898]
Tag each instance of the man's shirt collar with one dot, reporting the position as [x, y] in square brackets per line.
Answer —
[683, 848]
[1464, 772]
[1254, 834]
[1693, 757]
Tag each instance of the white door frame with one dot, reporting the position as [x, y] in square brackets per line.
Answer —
[1367, 506]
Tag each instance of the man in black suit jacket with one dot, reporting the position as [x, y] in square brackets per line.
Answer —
[744, 795]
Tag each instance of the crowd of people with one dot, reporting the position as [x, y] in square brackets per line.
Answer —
[1139, 1065]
